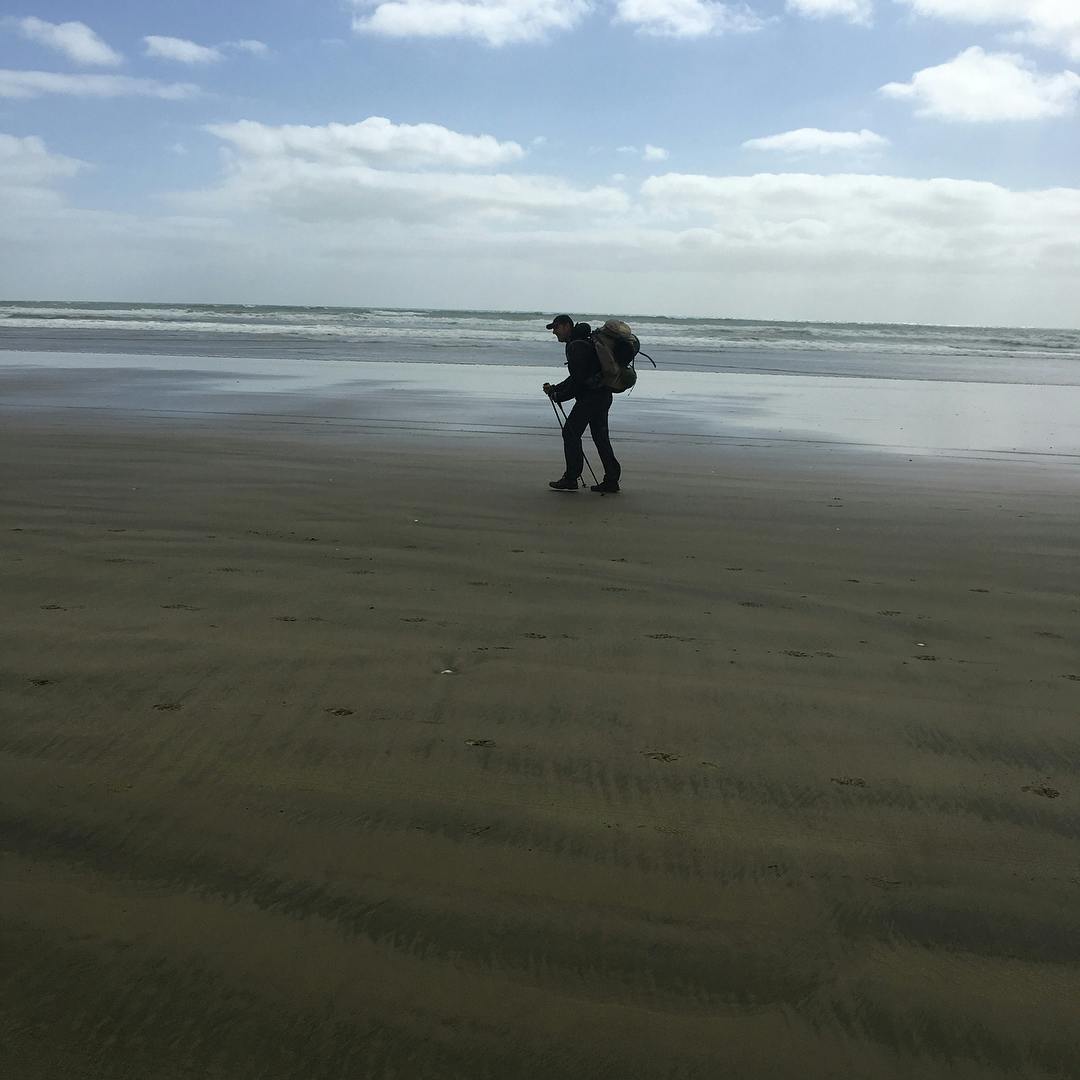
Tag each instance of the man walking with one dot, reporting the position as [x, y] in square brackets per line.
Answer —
[592, 400]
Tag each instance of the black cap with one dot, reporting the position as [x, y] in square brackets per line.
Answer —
[559, 319]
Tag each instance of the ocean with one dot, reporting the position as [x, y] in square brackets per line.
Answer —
[518, 339]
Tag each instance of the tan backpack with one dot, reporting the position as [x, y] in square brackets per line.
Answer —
[617, 347]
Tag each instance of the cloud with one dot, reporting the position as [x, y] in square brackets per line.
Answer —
[32, 84]
[181, 50]
[377, 171]
[25, 160]
[864, 221]
[493, 22]
[687, 18]
[74, 39]
[980, 87]
[1050, 24]
[816, 141]
[249, 45]
[28, 173]
[647, 153]
[374, 141]
[798, 245]
[856, 11]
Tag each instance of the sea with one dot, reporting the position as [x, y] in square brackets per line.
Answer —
[1024, 355]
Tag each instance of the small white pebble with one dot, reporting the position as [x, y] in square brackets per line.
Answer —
[448, 671]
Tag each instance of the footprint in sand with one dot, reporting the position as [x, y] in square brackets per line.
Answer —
[488, 743]
[417, 618]
[883, 883]
[339, 712]
[168, 706]
[1074, 678]
[890, 613]
[1049, 634]
[284, 618]
[848, 781]
[1043, 792]
[926, 656]
[750, 603]
[535, 637]
[53, 607]
[795, 652]
[659, 755]
[179, 607]
[41, 682]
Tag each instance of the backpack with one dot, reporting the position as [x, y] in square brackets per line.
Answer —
[617, 347]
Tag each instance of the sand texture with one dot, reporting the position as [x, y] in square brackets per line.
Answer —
[349, 757]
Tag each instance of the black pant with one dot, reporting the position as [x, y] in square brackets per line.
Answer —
[590, 411]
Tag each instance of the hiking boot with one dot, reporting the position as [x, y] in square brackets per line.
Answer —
[606, 487]
[564, 483]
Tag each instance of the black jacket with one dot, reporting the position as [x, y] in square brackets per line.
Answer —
[583, 364]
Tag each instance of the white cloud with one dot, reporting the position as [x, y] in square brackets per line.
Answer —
[249, 45]
[977, 86]
[647, 153]
[816, 141]
[28, 173]
[74, 39]
[792, 245]
[494, 22]
[1051, 24]
[353, 194]
[856, 11]
[25, 160]
[866, 222]
[378, 171]
[32, 84]
[687, 18]
[181, 50]
[374, 141]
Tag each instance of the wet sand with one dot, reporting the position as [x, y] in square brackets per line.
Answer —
[331, 751]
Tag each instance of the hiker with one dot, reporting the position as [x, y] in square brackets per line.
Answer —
[591, 403]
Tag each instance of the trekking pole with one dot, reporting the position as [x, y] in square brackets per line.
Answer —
[559, 409]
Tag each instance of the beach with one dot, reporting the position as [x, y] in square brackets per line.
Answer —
[335, 745]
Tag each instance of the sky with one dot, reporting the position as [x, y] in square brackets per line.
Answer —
[850, 160]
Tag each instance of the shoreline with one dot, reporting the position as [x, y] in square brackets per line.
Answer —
[896, 417]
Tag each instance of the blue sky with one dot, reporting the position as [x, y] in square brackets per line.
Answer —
[909, 160]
